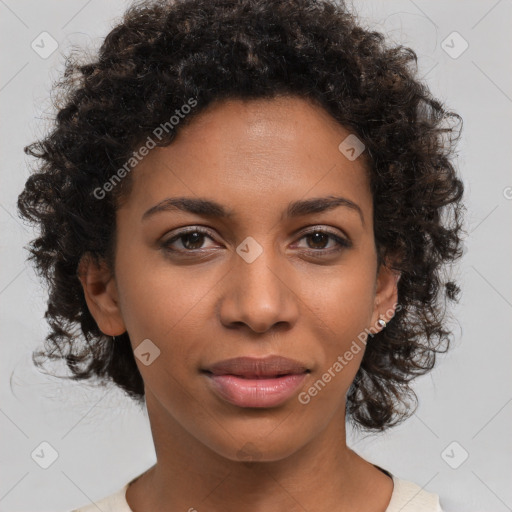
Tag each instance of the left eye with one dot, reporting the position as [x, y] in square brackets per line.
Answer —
[320, 238]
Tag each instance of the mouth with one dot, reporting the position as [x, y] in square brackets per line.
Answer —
[256, 382]
[254, 367]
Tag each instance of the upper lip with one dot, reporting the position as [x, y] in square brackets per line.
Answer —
[251, 367]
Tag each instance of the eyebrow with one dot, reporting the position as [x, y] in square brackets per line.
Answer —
[209, 208]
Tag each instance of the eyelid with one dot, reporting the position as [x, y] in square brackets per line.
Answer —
[186, 230]
[342, 241]
[324, 229]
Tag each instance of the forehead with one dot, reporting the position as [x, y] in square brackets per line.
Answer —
[251, 154]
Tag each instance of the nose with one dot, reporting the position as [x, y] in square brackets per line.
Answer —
[259, 295]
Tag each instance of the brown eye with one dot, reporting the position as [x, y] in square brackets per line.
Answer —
[318, 241]
[190, 240]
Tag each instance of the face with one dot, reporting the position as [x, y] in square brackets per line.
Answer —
[278, 274]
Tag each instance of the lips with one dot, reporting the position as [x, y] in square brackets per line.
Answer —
[254, 382]
[258, 368]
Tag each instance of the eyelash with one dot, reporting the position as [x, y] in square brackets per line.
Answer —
[343, 243]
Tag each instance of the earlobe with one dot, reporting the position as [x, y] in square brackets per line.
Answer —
[100, 293]
[386, 295]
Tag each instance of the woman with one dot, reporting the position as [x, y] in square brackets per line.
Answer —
[247, 207]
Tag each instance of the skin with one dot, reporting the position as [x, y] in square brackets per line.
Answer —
[253, 157]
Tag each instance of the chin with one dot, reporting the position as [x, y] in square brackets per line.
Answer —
[249, 449]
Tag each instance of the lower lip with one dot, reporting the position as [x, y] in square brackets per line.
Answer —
[269, 392]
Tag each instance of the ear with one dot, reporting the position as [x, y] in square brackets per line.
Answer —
[101, 295]
[386, 295]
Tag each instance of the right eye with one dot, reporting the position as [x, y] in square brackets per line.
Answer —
[191, 240]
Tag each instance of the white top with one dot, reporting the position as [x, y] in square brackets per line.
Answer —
[406, 497]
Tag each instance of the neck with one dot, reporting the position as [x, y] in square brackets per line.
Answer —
[324, 474]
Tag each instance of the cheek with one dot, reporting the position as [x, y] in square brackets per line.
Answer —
[342, 303]
[156, 297]
[345, 310]
[171, 306]
[343, 299]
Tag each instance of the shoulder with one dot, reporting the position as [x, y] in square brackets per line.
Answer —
[114, 503]
[410, 497]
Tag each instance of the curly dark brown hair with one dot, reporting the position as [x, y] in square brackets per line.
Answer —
[165, 52]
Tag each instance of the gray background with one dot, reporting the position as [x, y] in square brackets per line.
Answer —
[103, 440]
